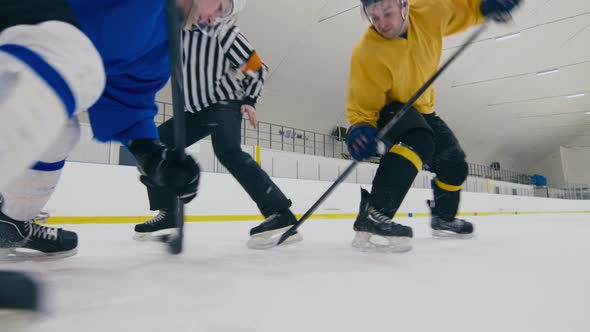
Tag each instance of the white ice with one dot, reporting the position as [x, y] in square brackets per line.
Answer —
[520, 273]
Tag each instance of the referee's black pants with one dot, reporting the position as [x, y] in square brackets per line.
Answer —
[223, 122]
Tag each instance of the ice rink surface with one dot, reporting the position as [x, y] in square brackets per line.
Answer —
[520, 273]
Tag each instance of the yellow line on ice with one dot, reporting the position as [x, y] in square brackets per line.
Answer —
[79, 220]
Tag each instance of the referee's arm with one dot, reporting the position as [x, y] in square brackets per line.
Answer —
[243, 56]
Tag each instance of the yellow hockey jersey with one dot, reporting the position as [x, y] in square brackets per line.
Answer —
[385, 70]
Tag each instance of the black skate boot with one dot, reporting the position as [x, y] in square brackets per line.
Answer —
[449, 227]
[162, 225]
[22, 240]
[20, 300]
[370, 222]
[268, 233]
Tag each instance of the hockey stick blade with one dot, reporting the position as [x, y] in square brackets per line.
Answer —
[290, 232]
[175, 239]
[269, 239]
[385, 130]
[261, 243]
[314, 207]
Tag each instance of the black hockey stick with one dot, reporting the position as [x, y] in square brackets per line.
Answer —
[382, 133]
[176, 81]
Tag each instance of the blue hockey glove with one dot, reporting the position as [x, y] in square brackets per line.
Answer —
[498, 10]
[362, 141]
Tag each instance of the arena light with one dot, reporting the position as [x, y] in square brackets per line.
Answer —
[547, 72]
[577, 95]
[510, 36]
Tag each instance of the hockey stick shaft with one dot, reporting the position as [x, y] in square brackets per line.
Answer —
[384, 131]
[176, 82]
[176, 77]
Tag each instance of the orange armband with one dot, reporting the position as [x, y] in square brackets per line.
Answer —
[253, 65]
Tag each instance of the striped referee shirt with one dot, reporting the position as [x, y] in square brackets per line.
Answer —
[220, 68]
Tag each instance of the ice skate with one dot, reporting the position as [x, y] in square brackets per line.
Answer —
[159, 228]
[26, 240]
[268, 233]
[377, 232]
[451, 227]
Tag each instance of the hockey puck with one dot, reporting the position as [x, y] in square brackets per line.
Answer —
[18, 292]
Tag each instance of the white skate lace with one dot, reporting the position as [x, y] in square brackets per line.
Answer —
[40, 231]
[271, 217]
[455, 225]
[161, 215]
[42, 217]
[456, 222]
[380, 217]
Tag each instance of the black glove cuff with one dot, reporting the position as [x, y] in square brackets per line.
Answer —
[249, 101]
[489, 8]
[143, 150]
[142, 147]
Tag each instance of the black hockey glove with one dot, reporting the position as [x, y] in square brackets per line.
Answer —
[163, 167]
[498, 10]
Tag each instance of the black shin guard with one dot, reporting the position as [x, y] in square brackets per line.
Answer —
[391, 183]
[446, 203]
[398, 169]
[447, 189]
[450, 167]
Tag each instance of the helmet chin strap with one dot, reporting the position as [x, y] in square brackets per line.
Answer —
[190, 18]
[403, 4]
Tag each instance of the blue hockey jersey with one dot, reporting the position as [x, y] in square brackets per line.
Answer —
[131, 37]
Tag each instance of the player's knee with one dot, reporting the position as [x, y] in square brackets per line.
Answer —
[453, 172]
[417, 146]
[82, 65]
[230, 155]
[48, 72]
[450, 154]
[64, 144]
[27, 194]
[64, 59]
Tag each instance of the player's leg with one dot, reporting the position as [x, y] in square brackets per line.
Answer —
[412, 147]
[25, 197]
[451, 171]
[161, 199]
[225, 121]
[48, 71]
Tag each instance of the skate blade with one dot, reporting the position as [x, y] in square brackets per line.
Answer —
[163, 235]
[389, 244]
[23, 255]
[442, 234]
[270, 239]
